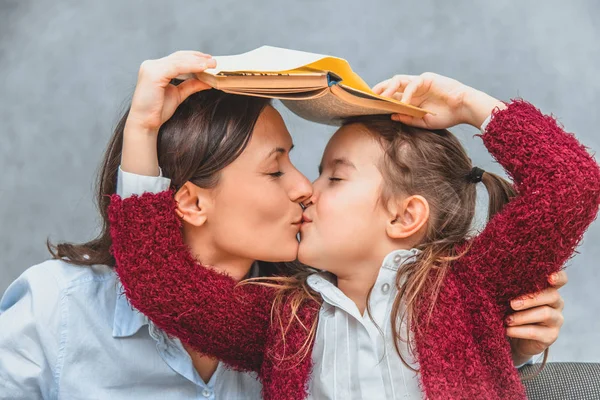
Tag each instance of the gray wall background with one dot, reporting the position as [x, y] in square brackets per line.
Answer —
[67, 69]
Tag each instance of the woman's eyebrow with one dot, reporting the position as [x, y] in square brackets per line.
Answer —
[279, 150]
[338, 161]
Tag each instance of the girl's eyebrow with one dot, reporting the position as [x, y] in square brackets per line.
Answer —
[338, 161]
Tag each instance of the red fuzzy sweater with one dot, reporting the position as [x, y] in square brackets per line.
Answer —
[463, 354]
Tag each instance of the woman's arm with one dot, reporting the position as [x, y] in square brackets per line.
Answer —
[200, 306]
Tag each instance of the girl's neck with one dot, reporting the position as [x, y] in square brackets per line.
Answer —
[357, 284]
[357, 287]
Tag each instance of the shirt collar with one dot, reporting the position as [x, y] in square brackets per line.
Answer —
[128, 321]
[323, 282]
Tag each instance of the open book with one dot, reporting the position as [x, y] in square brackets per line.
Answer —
[316, 87]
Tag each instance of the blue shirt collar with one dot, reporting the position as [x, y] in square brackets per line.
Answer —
[127, 319]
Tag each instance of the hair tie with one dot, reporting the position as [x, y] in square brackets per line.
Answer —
[475, 175]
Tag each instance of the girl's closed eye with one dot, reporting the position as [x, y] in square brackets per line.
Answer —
[334, 179]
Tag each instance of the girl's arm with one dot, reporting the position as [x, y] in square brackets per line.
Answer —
[557, 181]
[201, 307]
[558, 186]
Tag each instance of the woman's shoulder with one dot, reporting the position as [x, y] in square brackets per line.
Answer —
[48, 281]
[67, 275]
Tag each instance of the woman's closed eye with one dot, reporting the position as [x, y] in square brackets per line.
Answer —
[334, 179]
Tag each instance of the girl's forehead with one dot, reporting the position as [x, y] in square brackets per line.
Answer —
[353, 142]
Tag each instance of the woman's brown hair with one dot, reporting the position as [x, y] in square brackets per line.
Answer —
[207, 132]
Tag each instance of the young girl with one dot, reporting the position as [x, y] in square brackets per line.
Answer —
[390, 218]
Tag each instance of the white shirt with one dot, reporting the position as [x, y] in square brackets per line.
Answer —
[354, 357]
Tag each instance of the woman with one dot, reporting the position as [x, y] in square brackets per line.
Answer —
[68, 332]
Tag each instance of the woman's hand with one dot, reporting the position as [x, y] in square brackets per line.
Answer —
[450, 101]
[538, 319]
[154, 101]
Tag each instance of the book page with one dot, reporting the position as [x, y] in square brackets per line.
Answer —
[336, 104]
[328, 109]
[265, 59]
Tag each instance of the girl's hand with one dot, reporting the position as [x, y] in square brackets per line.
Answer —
[154, 101]
[452, 102]
[536, 324]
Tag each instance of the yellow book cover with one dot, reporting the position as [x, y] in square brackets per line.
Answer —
[316, 87]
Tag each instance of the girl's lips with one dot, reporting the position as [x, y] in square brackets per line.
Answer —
[305, 219]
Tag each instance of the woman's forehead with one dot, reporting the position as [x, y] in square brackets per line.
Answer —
[269, 137]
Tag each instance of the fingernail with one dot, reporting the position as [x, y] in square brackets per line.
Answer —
[509, 320]
[517, 303]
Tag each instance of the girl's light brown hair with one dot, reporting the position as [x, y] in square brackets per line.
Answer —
[435, 165]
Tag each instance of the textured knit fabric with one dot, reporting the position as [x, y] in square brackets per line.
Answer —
[463, 352]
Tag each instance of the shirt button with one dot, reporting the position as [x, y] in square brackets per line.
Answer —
[206, 393]
[385, 288]
[397, 258]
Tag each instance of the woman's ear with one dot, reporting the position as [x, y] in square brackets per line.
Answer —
[193, 204]
[408, 217]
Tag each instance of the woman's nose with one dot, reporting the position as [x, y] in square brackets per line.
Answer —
[302, 190]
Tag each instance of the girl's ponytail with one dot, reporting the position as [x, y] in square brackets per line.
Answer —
[500, 192]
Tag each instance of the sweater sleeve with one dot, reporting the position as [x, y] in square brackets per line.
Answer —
[205, 309]
[558, 193]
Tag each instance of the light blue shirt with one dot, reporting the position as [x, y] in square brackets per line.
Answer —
[68, 332]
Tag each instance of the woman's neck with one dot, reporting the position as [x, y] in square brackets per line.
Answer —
[211, 256]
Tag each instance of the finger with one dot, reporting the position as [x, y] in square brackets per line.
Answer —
[411, 88]
[546, 316]
[189, 87]
[187, 53]
[410, 120]
[380, 87]
[397, 96]
[392, 87]
[397, 84]
[548, 296]
[172, 66]
[538, 333]
[558, 279]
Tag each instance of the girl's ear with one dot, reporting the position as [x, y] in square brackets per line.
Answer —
[193, 204]
[408, 217]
